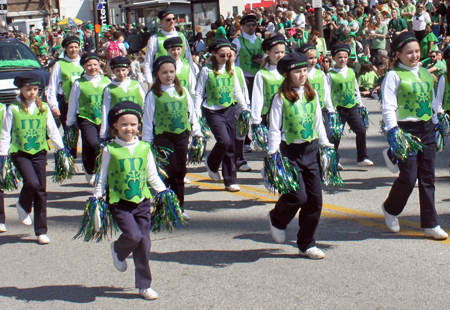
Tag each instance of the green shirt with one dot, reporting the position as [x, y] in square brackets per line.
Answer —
[368, 80]
[398, 24]
[407, 8]
[379, 43]
[221, 33]
[446, 101]
[425, 45]
[441, 66]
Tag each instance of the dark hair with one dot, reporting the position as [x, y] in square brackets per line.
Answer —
[365, 67]
[290, 94]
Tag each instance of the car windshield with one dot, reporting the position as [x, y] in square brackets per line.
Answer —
[16, 55]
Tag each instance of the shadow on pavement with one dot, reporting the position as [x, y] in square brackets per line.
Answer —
[22, 238]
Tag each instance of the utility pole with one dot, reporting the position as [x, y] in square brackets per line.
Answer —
[318, 20]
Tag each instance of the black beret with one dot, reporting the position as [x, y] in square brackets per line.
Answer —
[234, 47]
[340, 48]
[27, 79]
[123, 108]
[164, 12]
[120, 62]
[173, 42]
[250, 18]
[70, 39]
[88, 56]
[306, 47]
[292, 61]
[402, 39]
[160, 61]
[268, 43]
[218, 44]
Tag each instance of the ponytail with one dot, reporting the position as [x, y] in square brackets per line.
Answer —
[23, 105]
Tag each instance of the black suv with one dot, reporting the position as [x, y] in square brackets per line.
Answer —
[17, 58]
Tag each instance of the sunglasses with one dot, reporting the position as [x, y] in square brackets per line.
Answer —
[250, 25]
[170, 19]
[420, 7]
[326, 61]
[225, 55]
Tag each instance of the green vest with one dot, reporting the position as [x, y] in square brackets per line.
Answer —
[69, 73]
[183, 76]
[127, 174]
[270, 87]
[247, 51]
[171, 113]
[240, 74]
[2, 116]
[132, 94]
[162, 51]
[446, 99]
[29, 131]
[343, 89]
[298, 120]
[220, 88]
[317, 84]
[91, 100]
[415, 94]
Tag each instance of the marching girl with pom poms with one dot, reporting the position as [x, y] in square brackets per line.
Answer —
[27, 124]
[296, 130]
[2, 195]
[410, 117]
[168, 119]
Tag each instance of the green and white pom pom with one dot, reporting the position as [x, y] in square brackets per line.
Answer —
[279, 173]
[97, 223]
[206, 131]
[9, 176]
[364, 115]
[64, 166]
[329, 160]
[336, 126]
[383, 130]
[71, 137]
[403, 144]
[167, 214]
[260, 137]
[98, 158]
[442, 130]
[161, 155]
[243, 124]
[196, 150]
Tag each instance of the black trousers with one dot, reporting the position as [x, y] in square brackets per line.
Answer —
[326, 123]
[223, 126]
[63, 109]
[32, 169]
[239, 152]
[420, 167]
[89, 138]
[351, 116]
[2, 207]
[307, 198]
[249, 81]
[176, 169]
[134, 222]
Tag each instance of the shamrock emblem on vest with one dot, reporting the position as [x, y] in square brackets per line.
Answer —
[424, 105]
[291, 127]
[176, 123]
[347, 97]
[32, 143]
[307, 130]
[224, 97]
[133, 189]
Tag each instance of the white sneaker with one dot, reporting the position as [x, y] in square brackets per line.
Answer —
[313, 253]
[149, 293]
[185, 216]
[120, 265]
[215, 176]
[233, 188]
[340, 167]
[43, 239]
[436, 233]
[92, 180]
[393, 168]
[245, 168]
[186, 181]
[88, 177]
[247, 149]
[391, 221]
[365, 163]
[3, 227]
[23, 215]
[278, 235]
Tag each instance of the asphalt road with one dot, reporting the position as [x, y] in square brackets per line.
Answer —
[226, 258]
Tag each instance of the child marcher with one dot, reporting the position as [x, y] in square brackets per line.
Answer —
[26, 126]
[122, 88]
[169, 117]
[410, 109]
[85, 109]
[217, 91]
[296, 129]
[129, 202]
[2, 195]
[347, 99]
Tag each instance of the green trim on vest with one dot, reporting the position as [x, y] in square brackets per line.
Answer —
[298, 120]
[317, 85]
[91, 100]
[220, 88]
[271, 85]
[132, 94]
[343, 89]
[240, 75]
[183, 76]
[69, 74]
[162, 51]
[171, 113]
[247, 51]
[415, 94]
[446, 101]
[29, 131]
[127, 174]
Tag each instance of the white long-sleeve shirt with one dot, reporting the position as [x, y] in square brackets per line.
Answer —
[200, 93]
[343, 72]
[192, 79]
[75, 95]
[326, 90]
[149, 114]
[252, 38]
[439, 96]
[389, 87]
[52, 130]
[54, 84]
[152, 172]
[276, 130]
[152, 48]
[107, 104]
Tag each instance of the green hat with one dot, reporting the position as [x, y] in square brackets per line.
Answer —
[351, 34]
[352, 55]
[364, 59]
[301, 9]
